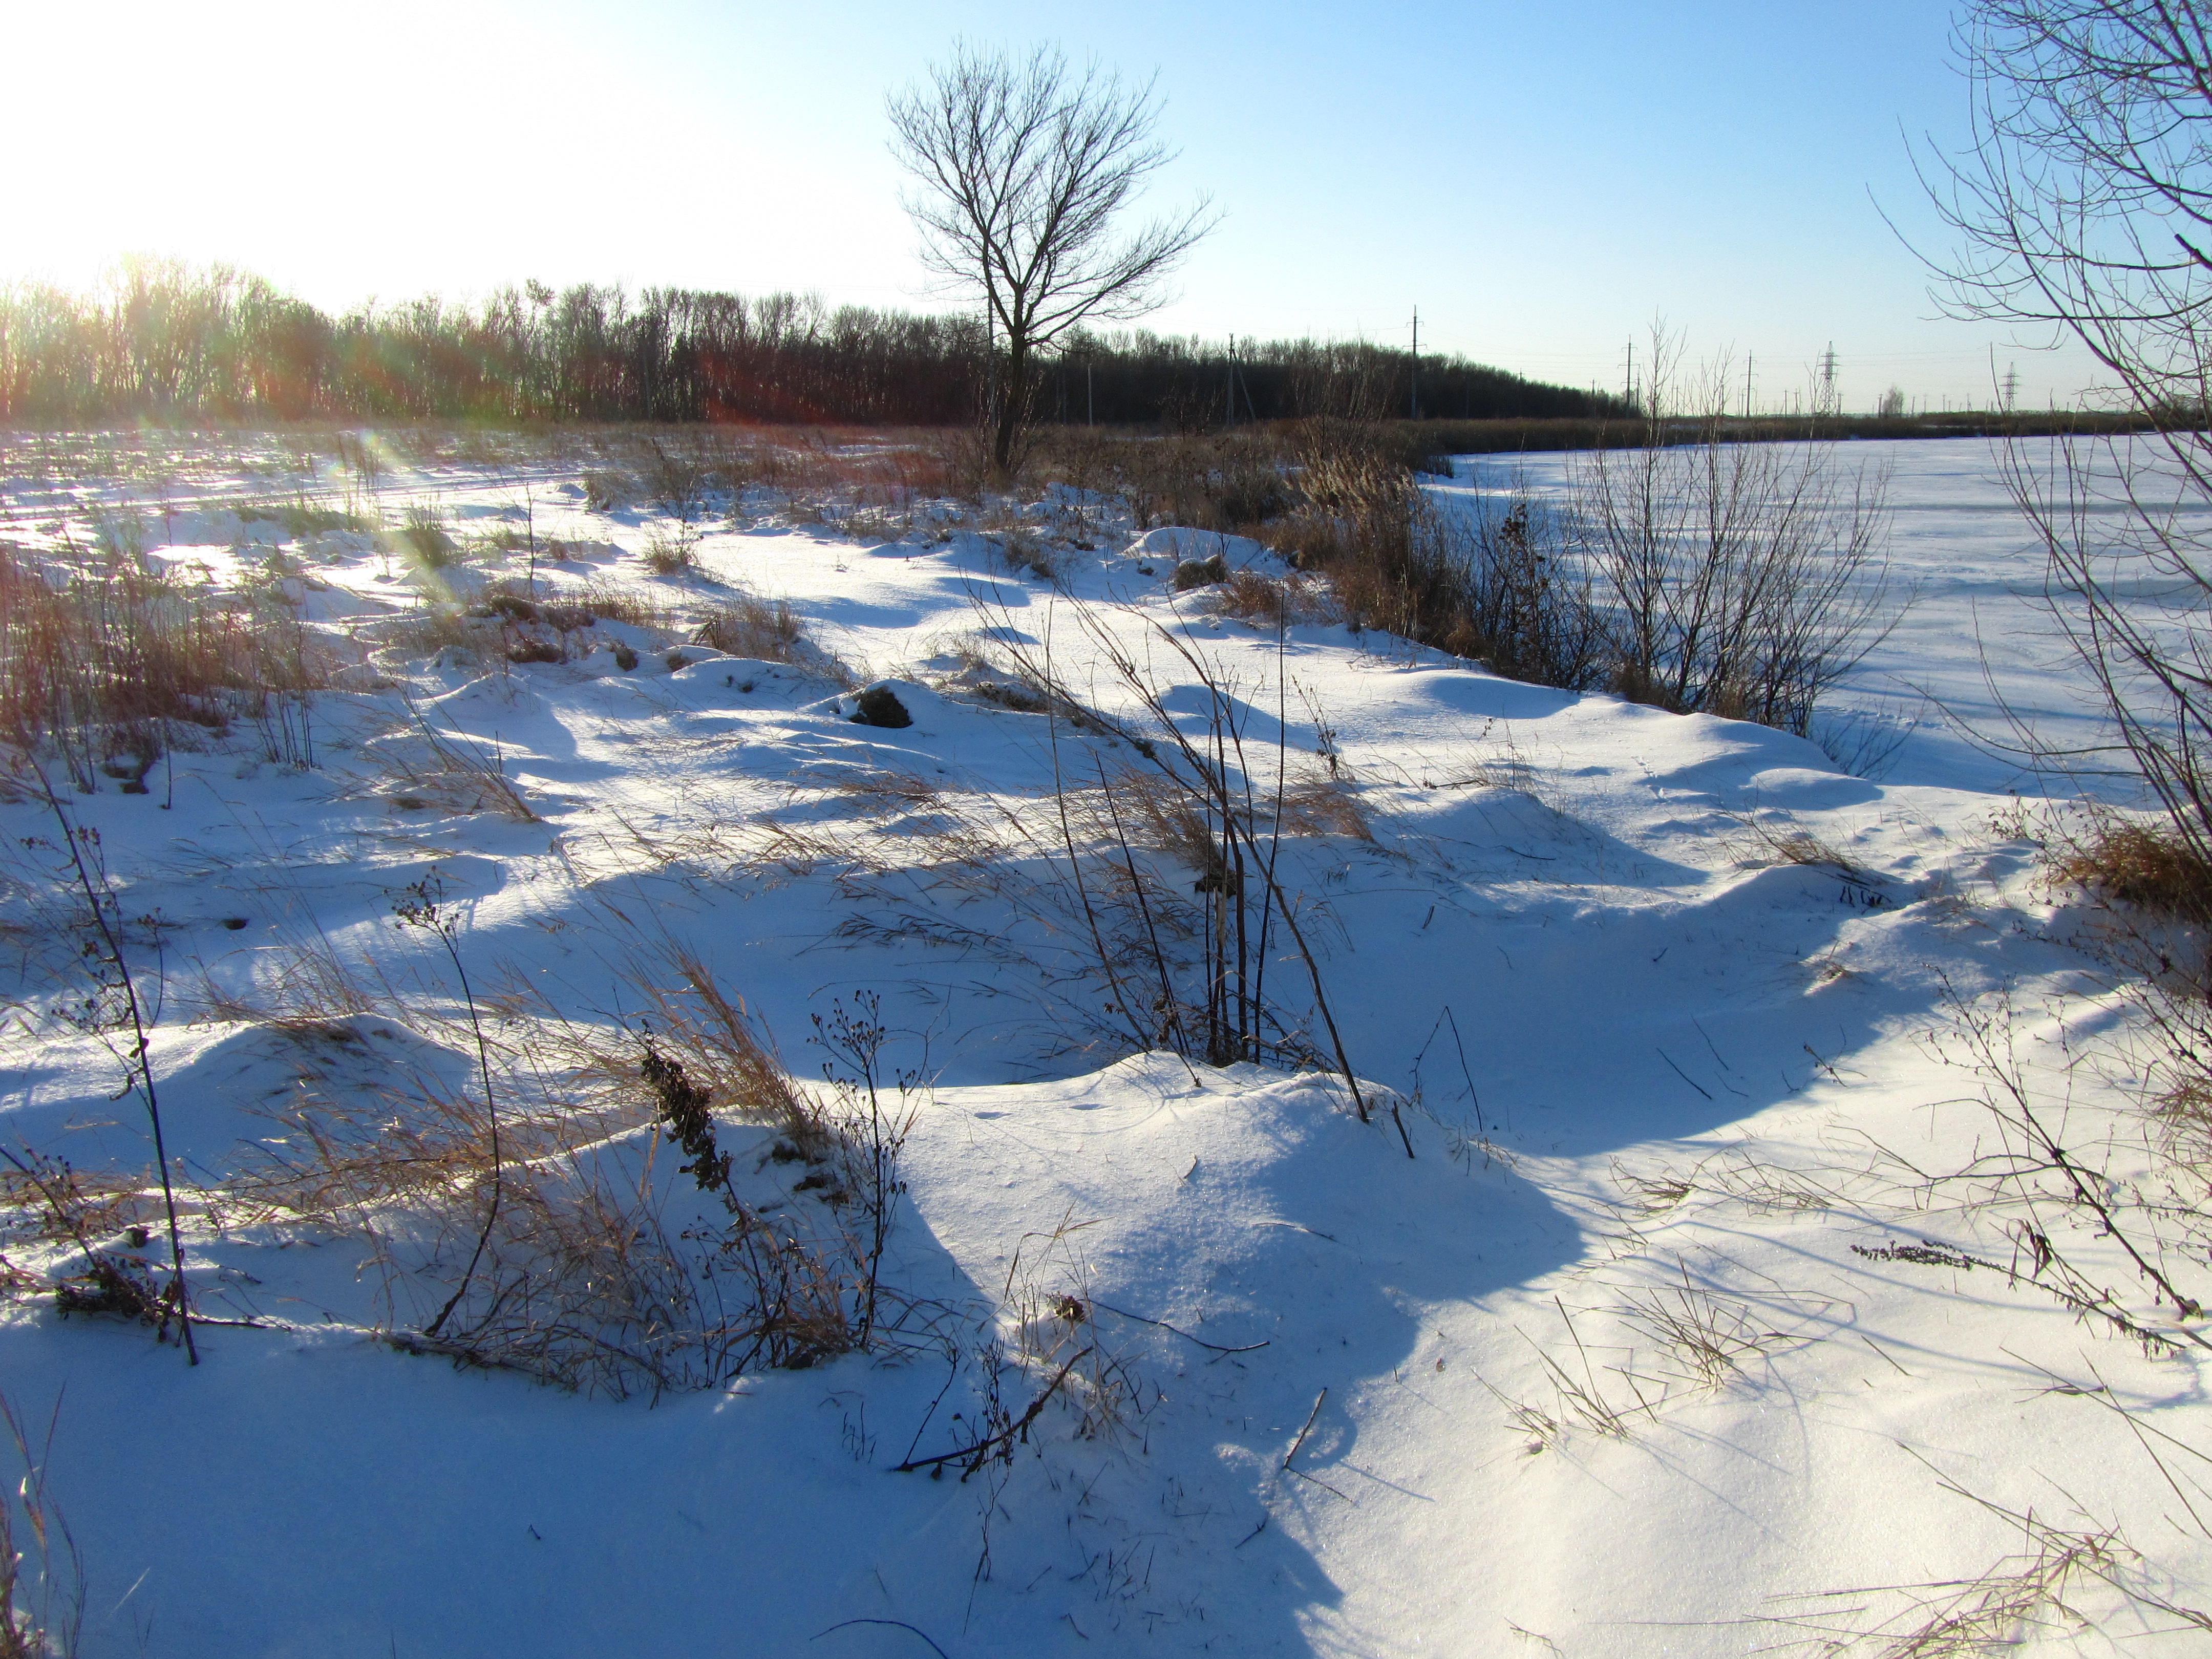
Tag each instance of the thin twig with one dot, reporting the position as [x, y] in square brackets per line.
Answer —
[1004, 1440]
[1163, 1325]
[1299, 1444]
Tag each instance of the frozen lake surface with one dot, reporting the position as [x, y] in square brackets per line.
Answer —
[1977, 641]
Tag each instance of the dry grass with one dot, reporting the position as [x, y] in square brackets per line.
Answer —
[42, 1582]
[2013, 1602]
[668, 555]
[605, 1268]
[1732, 1176]
[1324, 804]
[1274, 602]
[1225, 481]
[746, 625]
[716, 1038]
[52, 1202]
[448, 769]
[1157, 815]
[426, 630]
[607, 601]
[1712, 1338]
[1779, 840]
[1021, 552]
[105, 661]
[608, 490]
[2147, 865]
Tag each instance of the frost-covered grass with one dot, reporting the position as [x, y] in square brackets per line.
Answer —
[854, 1108]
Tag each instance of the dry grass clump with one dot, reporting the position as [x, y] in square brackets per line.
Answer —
[1152, 812]
[580, 1274]
[2034, 1590]
[422, 540]
[102, 658]
[1155, 813]
[1275, 601]
[770, 630]
[1320, 804]
[715, 1037]
[419, 766]
[1225, 481]
[749, 626]
[431, 626]
[51, 1200]
[533, 1197]
[668, 555]
[2148, 865]
[607, 489]
[607, 601]
[42, 1584]
[1020, 552]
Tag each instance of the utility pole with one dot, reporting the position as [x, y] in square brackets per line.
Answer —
[1230, 377]
[1090, 404]
[1628, 386]
[1748, 360]
[1414, 381]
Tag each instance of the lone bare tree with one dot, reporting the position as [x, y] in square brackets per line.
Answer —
[1024, 167]
[2083, 207]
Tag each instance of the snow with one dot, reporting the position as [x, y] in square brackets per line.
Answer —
[1339, 1401]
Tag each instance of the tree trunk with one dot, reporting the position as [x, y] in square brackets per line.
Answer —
[1013, 405]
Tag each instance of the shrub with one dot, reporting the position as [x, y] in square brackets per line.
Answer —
[1742, 579]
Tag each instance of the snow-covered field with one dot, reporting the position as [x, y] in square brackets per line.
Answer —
[1678, 1018]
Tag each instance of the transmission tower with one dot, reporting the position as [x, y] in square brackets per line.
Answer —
[1827, 400]
[2011, 387]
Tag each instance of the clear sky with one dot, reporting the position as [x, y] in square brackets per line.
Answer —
[1542, 179]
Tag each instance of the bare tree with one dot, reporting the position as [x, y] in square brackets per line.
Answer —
[2083, 207]
[1024, 167]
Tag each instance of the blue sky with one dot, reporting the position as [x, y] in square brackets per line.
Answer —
[1543, 181]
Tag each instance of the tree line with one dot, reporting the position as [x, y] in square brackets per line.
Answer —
[166, 343]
